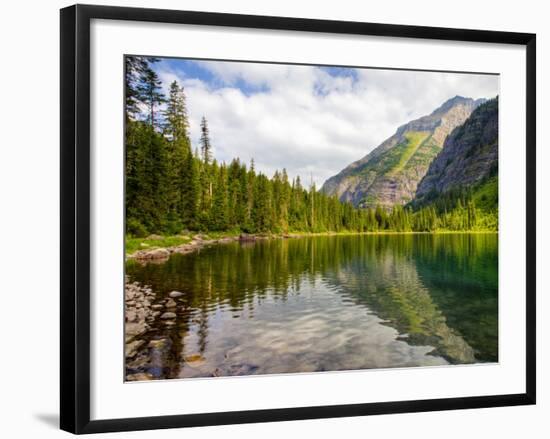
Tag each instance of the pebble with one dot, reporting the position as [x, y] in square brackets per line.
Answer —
[175, 294]
[139, 377]
[171, 303]
[168, 315]
[131, 316]
[132, 348]
[157, 344]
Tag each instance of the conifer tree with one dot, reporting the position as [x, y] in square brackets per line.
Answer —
[179, 148]
[219, 213]
[189, 192]
[134, 67]
[169, 188]
[150, 93]
[206, 147]
[175, 115]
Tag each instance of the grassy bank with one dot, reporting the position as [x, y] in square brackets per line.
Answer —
[157, 241]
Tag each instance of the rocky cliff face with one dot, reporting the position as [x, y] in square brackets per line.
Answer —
[469, 155]
[390, 173]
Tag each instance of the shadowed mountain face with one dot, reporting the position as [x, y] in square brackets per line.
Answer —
[469, 155]
[390, 173]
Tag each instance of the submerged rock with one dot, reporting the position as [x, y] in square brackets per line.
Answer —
[171, 303]
[141, 376]
[194, 359]
[132, 348]
[158, 343]
[157, 253]
[135, 329]
[168, 315]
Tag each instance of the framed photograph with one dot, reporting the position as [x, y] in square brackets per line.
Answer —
[268, 218]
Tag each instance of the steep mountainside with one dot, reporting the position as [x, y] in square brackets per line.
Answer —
[469, 156]
[390, 173]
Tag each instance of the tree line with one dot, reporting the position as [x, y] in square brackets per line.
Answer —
[170, 187]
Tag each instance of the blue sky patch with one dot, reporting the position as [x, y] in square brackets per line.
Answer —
[193, 69]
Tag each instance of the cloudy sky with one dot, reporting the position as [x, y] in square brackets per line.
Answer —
[311, 120]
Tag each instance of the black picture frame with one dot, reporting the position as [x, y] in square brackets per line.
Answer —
[75, 217]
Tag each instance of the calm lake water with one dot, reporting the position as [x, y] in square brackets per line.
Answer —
[324, 304]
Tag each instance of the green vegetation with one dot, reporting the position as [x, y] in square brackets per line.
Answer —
[418, 149]
[407, 149]
[155, 241]
[170, 188]
[485, 196]
[471, 208]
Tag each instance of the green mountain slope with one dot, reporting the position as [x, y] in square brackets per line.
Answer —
[389, 175]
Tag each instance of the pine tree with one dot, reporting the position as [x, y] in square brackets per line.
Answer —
[134, 66]
[179, 148]
[189, 192]
[150, 93]
[262, 205]
[206, 147]
[207, 170]
[175, 115]
[219, 212]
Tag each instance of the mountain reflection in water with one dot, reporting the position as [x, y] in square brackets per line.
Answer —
[324, 304]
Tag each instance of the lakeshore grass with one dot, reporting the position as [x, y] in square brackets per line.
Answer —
[134, 244]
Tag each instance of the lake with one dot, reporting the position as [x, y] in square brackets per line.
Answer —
[323, 304]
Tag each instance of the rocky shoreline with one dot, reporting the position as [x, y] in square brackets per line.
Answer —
[142, 308]
[138, 314]
[199, 241]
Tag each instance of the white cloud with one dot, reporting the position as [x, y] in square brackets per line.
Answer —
[308, 121]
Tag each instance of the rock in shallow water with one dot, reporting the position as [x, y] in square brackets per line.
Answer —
[158, 253]
[175, 294]
[139, 377]
[168, 315]
[158, 343]
[132, 348]
[194, 359]
[171, 303]
[133, 329]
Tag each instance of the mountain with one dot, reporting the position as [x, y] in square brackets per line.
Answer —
[469, 158]
[390, 173]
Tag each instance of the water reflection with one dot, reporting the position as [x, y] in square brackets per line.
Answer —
[324, 303]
